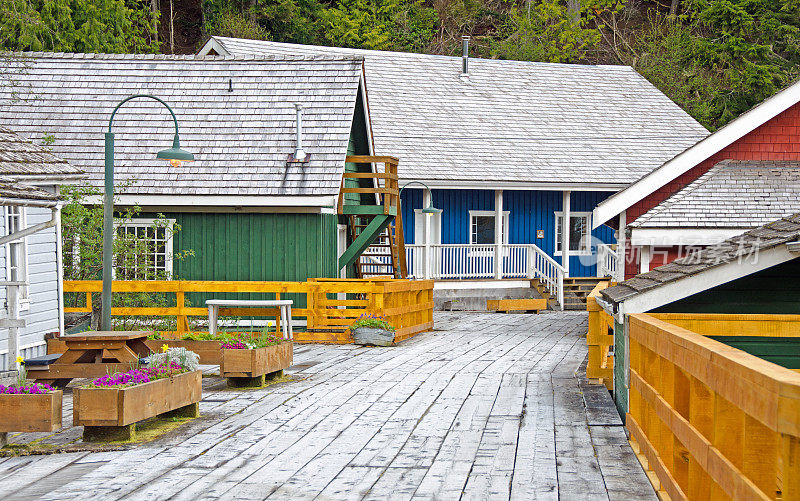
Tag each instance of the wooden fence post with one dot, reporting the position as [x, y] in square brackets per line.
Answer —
[790, 467]
[182, 319]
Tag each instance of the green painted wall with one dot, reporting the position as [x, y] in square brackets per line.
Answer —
[358, 145]
[254, 246]
[620, 356]
[774, 290]
[784, 351]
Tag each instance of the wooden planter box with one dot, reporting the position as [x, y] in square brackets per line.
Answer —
[25, 413]
[256, 362]
[125, 406]
[209, 351]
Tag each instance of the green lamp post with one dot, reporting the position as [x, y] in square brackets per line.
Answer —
[430, 209]
[175, 155]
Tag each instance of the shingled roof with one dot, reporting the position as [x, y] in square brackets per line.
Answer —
[522, 123]
[732, 194]
[12, 192]
[236, 115]
[21, 157]
[745, 247]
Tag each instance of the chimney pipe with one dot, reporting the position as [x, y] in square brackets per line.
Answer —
[465, 55]
[299, 154]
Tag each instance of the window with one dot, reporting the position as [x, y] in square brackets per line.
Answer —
[579, 234]
[17, 251]
[481, 227]
[149, 254]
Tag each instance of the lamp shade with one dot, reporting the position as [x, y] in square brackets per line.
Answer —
[175, 154]
[431, 210]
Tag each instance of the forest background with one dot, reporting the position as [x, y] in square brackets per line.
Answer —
[715, 58]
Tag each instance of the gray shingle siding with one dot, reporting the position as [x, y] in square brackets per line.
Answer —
[241, 139]
[732, 194]
[511, 121]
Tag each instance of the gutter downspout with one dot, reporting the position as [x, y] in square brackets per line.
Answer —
[19, 235]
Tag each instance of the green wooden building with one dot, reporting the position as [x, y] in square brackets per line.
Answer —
[270, 137]
[755, 273]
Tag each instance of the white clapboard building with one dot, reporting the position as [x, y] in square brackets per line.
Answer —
[31, 302]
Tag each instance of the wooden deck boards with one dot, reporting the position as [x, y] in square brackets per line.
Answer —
[484, 407]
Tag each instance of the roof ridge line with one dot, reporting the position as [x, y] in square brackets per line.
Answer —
[187, 57]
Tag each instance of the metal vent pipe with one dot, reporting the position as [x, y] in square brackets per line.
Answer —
[465, 55]
[299, 153]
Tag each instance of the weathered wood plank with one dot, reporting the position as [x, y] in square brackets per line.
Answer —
[486, 406]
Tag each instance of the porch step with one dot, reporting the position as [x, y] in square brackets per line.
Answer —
[575, 291]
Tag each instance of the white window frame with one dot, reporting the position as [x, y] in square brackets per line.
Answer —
[489, 213]
[587, 238]
[21, 248]
[147, 222]
[419, 227]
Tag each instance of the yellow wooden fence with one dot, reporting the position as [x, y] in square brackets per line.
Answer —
[710, 421]
[599, 339]
[331, 304]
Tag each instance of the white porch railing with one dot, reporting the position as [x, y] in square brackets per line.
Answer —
[608, 261]
[467, 261]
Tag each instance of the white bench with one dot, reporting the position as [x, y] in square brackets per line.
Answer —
[285, 306]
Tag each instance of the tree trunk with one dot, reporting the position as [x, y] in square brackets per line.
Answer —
[574, 10]
[155, 9]
[673, 7]
[171, 29]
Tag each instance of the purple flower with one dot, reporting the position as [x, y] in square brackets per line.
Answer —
[137, 376]
[34, 389]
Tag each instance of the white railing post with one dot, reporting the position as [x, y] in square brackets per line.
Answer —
[560, 294]
[529, 260]
[12, 308]
[498, 234]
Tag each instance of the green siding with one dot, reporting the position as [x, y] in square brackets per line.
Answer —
[358, 145]
[620, 357]
[254, 246]
[784, 351]
[775, 290]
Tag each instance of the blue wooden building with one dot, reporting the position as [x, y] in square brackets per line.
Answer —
[507, 148]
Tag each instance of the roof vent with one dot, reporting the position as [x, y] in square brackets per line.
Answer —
[465, 56]
[299, 155]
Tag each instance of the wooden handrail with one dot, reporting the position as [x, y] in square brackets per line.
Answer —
[385, 183]
[407, 304]
[599, 340]
[711, 420]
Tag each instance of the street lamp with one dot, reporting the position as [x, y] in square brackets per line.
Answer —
[175, 155]
[430, 209]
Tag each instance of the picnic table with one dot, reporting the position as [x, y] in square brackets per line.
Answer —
[285, 306]
[91, 355]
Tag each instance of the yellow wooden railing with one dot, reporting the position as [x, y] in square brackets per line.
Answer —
[709, 421]
[599, 339]
[331, 305]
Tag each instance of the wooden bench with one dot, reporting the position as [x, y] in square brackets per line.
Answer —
[507, 305]
[91, 355]
[285, 306]
[43, 361]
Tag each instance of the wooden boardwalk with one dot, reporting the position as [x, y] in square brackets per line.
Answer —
[489, 406]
